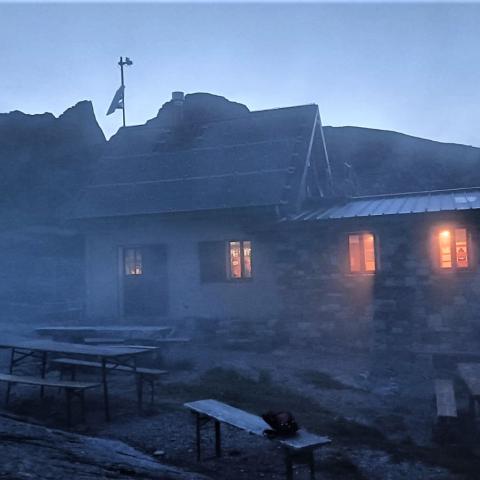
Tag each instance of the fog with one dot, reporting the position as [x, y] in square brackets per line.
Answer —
[235, 285]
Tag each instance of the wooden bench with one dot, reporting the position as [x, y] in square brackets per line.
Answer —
[172, 340]
[298, 448]
[445, 399]
[103, 340]
[72, 388]
[144, 375]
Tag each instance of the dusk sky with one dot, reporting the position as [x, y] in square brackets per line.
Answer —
[413, 68]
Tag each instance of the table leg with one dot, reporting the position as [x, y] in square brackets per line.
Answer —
[68, 395]
[152, 391]
[82, 404]
[138, 384]
[43, 371]
[218, 439]
[472, 407]
[199, 443]
[10, 370]
[105, 389]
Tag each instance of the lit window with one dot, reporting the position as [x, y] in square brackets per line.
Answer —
[361, 250]
[133, 261]
[240, 259]
[453, 248]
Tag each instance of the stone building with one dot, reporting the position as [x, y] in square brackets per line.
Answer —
[230, 217]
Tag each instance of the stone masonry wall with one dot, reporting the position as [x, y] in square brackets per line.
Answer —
[407, 304]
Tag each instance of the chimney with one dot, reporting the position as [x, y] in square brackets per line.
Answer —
[177, 104]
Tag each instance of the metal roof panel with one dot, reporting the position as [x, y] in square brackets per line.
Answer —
[398, 204]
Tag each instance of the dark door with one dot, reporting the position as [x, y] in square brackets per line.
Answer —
[145, 280]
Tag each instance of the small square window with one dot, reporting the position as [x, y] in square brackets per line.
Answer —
[240, 259]
[453, 248]
[361, 251]
[133, 261]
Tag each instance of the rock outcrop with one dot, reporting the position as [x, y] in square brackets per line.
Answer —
[36, 453]
[44, 161]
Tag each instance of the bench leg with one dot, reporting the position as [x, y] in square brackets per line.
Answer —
[218, 439]
[288, 466]
[311, 461]
[299, 458]
[7, 393]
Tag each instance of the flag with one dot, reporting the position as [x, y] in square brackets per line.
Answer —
[117, 101]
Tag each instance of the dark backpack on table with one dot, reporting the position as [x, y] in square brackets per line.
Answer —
[282, 424]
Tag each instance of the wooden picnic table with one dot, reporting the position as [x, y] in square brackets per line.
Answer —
[79, 333]
[109, 357]
[470, 374]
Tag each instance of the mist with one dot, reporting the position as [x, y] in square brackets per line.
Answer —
[239, 241]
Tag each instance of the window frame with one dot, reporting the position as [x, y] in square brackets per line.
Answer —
[451, 227]
[228, 264]
[136, 249]
[363, 271]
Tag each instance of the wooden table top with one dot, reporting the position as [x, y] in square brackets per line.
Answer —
[102, 329]
[470, 373]
[74, 348]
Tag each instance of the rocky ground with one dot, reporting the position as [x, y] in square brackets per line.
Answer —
[378, 411]
[35, 452]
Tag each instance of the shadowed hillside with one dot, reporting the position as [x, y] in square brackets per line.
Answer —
[388, 162]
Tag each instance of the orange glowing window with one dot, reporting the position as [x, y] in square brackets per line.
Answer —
[133, 261]
[240, 257]
[453, 248]
[361, 251]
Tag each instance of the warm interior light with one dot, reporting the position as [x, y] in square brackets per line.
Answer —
[461, 247]
[445, 249]
[235, 260]
[369, 252]
[355, 253]
[361, 249]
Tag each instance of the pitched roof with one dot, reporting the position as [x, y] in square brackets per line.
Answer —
[252, 159]
[397, 204]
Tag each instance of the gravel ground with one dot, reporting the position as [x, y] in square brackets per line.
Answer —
[378, 412]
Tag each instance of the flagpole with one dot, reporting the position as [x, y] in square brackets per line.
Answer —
[121, 63]
[119, 97]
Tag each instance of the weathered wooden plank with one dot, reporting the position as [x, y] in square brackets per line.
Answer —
[231, 415]
[445, 397]
[86, 363]
[252, 423]
[102, 340]
[74, 348]
[46, 382]
[470, 373]
[172, 340]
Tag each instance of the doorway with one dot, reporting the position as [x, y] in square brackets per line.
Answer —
[145, 280]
